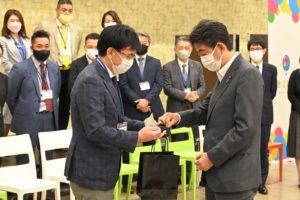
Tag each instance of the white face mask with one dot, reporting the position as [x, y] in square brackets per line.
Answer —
[123, 67]
[91, 53]
[208, 61]
[107, 24]
[256, 55]
[14, 27]
[183, 54]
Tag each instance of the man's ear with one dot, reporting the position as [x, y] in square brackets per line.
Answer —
[109, 52]
[264, 51]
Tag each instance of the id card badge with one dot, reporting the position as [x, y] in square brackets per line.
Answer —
[144, 85]
[46, 94]
[122, 126]
[187, 90]
[67, 52]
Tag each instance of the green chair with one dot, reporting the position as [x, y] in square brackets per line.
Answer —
[186, 150]
[126, 169]
[3, 195]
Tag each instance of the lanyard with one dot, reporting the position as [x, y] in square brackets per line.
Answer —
[20, 47]
[61, 36]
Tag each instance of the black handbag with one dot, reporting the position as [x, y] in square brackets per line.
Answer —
[158, 176]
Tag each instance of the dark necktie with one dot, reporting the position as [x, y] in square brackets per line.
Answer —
[184, 72]
[119, 105]
[45, 86]
[141, 66]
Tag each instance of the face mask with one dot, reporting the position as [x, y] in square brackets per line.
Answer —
[256, 55]
[65, 19]
[208, 61]
[123, 67]
[107, 24]
[91, 53]
[183, 54]
[41, 55]
[14, 27]
[0, 61]
[142, 50]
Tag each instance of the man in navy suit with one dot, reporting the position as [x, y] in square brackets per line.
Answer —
[142, 84]
[100, 130]
[257, 49]
[33, 91]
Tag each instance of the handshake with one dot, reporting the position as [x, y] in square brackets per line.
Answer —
[154, 130]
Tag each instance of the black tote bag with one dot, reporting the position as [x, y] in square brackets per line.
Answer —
[158, 176]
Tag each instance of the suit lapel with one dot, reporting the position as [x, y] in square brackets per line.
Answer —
[191, 75]
[137, 69]
[221, 88]
[51, 75]
[264, 71]
[13, 49]
[56, 35]
[34, 77]
[73, 39]
[178, 73]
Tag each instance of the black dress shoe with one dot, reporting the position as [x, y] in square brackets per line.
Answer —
[262, 189]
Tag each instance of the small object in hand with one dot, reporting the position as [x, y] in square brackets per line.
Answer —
[150, 121]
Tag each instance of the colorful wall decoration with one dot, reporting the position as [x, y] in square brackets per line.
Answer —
[284, 48]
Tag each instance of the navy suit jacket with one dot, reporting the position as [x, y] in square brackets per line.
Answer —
[269, 75]
[76, 67]
[130, 88]
[23, 96]
[95, 151]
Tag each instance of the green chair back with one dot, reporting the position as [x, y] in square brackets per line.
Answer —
[185, 145]
[134, 157]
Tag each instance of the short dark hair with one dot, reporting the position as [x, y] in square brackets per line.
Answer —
[61, 2]
[39, 34]
[182, 38]
[113, 14]
[92, 36]
[118, 37]
[210, 32]
[5, 31]
[256, 41]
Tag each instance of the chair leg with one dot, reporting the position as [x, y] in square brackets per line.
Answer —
[35, 196]
[193, 182]
[57, 192]
[120, 185]
[72, 197]
[44, 194]
[3, 195]
[116, 191]
[20, 196]
[183, 180]
[130, 176]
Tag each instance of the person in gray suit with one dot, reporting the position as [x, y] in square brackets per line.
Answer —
[232, 115]
[33, 91]
[183, 81]
[100, 129]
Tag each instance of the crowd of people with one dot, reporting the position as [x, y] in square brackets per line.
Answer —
[115, 86]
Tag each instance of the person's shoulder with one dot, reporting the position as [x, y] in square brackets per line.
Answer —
[270, 66]
[195, 63]
[52, 65]
[23, 66]
[76, 27]
[170, 64]
[80, 60]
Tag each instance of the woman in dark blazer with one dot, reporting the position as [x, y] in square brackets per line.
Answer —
[3, 93]
[293, 143]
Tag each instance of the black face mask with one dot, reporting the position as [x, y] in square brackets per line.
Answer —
[142, 50]
[41, 55]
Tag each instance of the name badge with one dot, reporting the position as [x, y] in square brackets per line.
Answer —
[122, 126]
[66, 52]
[187, 90]
[46, 94]
[144, 85]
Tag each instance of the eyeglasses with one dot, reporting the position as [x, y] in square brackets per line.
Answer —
[256, 49]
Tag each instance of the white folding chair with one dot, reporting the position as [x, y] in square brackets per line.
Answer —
[22, 179]
[54, 169]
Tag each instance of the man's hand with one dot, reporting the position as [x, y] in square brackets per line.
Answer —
[148, 133]
[192, 96]
[169, 119]
[203, 162]
[143, 105]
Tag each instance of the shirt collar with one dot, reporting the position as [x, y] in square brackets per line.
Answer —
[111, 75]
[180, 63]
[142, 56]
[59, 24]
[37, 63]
[88, 59]
[221, 73]
[260, 65]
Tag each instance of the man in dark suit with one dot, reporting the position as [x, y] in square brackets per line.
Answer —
[91, 52]
[232, 115]
[33, 91]
[183, 81]
[3, 94]
[142, 84]
[257, 49]
[100, 130]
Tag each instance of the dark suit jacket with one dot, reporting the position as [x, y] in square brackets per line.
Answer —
[130, 88]
[269, 75]
[23, 96]
[3, 94]
[174, 86]
[294, 90]
[76, 67]
[232, 115]
[95, 151]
